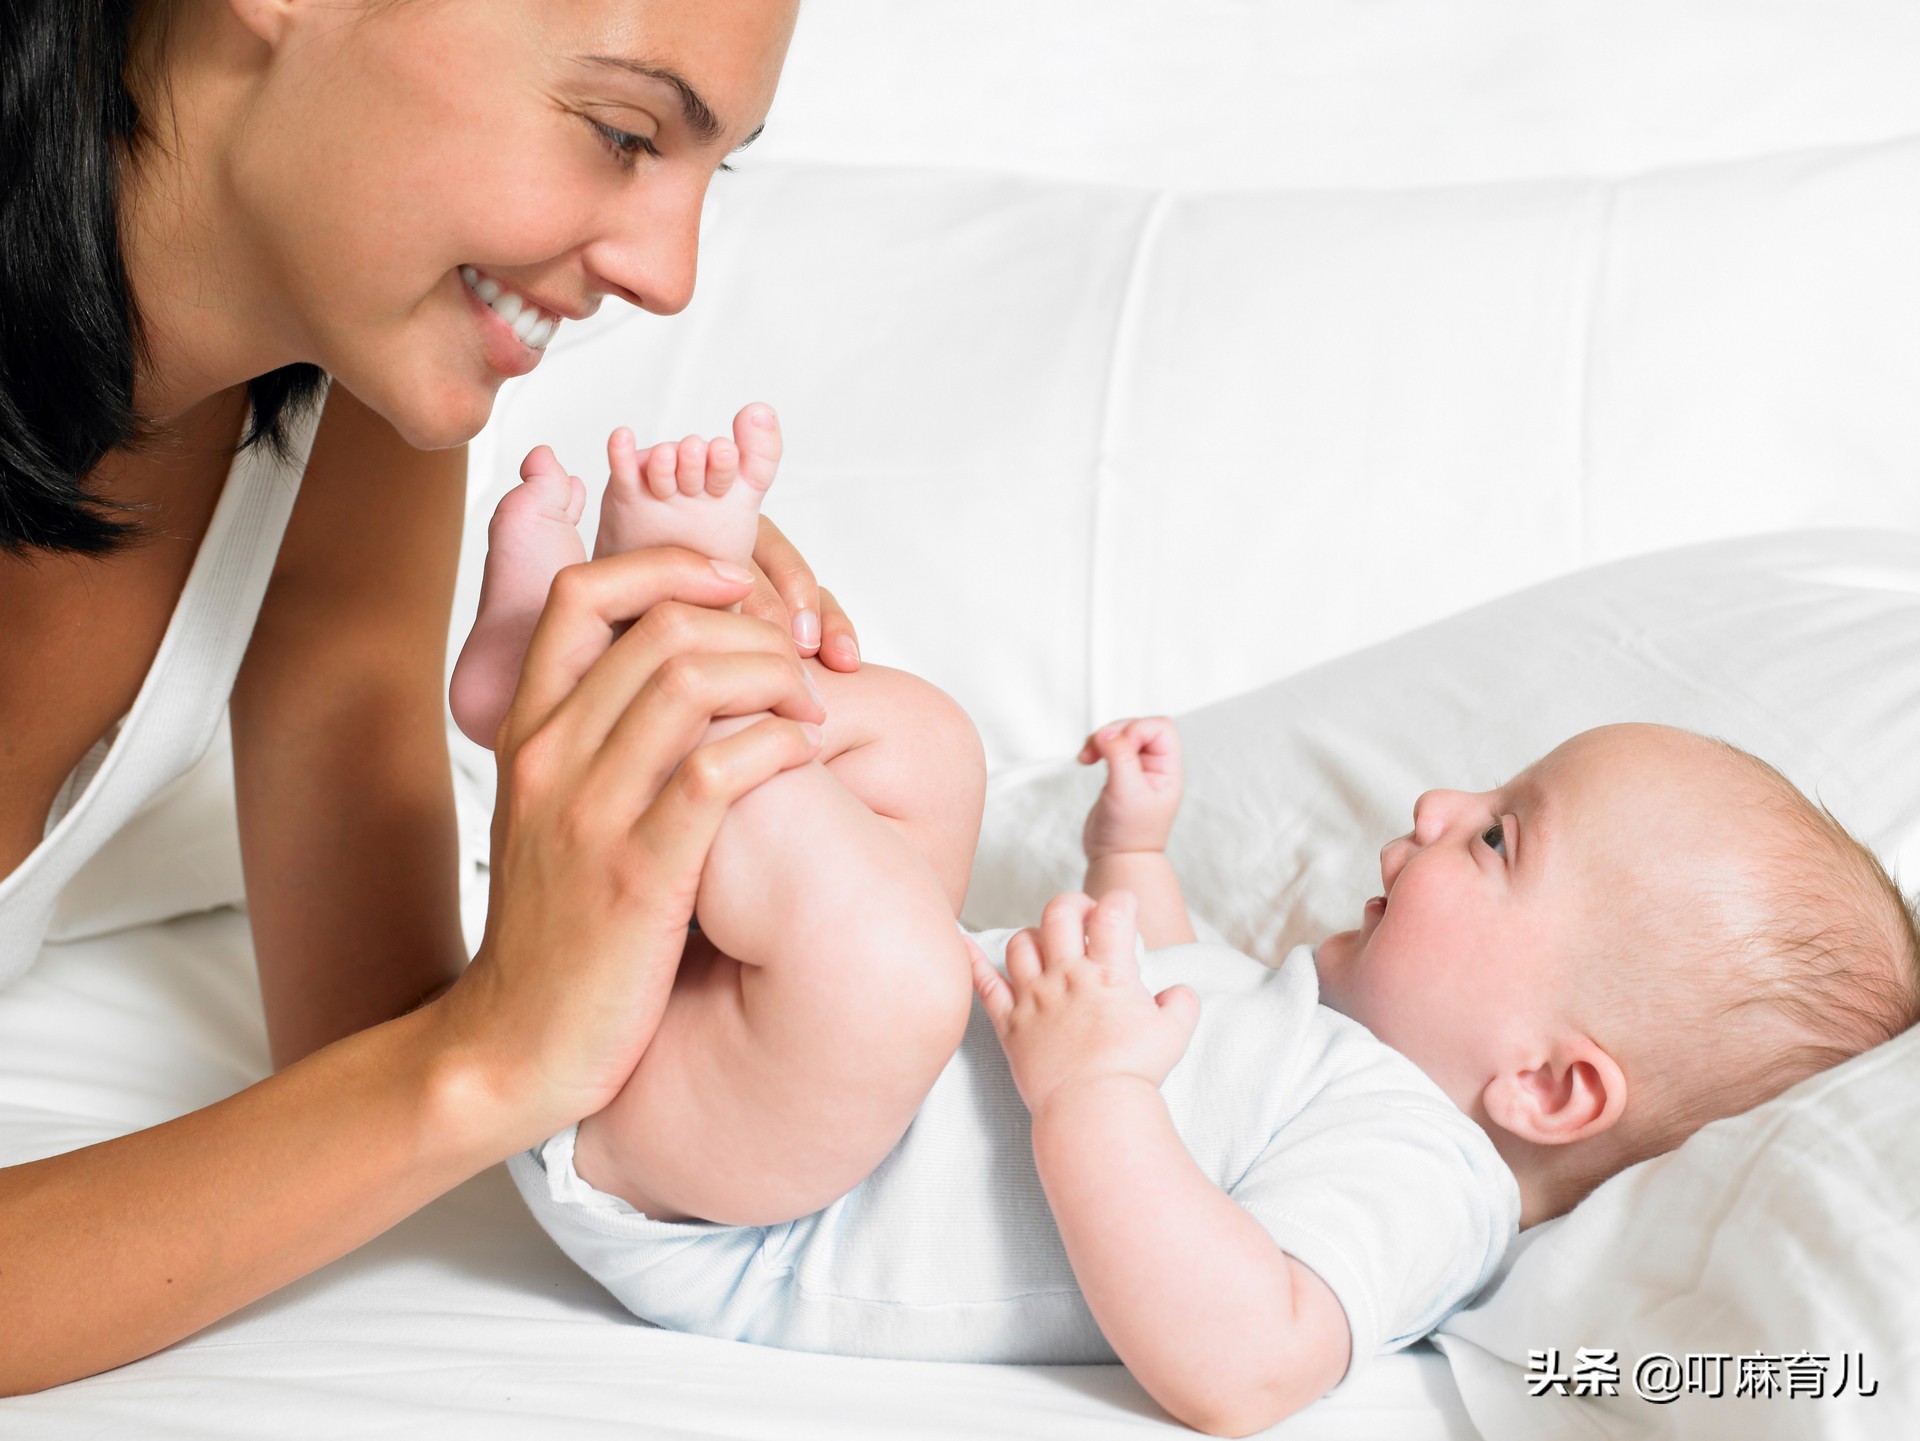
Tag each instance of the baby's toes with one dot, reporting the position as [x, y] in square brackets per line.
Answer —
[661, 466]
[545, 486]
[723, 466]
[693, 465]
[623, 464]
[756, 431]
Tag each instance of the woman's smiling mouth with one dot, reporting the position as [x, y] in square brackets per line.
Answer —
[531, 326]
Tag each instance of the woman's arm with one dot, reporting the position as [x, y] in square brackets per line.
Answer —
[341, 771]
[609, 800]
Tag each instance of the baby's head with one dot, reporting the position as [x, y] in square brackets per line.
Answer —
[1642, 932]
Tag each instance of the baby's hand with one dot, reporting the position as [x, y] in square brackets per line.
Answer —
[1071, 1007]
[1135, 809]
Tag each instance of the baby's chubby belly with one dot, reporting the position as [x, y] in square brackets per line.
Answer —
[954, 1215]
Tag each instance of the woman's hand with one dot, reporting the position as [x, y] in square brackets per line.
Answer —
[785, 592]
[1071, 1009]
[609, 799]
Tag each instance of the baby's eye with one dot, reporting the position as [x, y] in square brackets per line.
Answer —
[1494, 838]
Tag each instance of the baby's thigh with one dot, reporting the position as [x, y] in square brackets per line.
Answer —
[769, 1092]
[912, 756]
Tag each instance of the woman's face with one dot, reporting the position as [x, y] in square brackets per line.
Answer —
[401, 161]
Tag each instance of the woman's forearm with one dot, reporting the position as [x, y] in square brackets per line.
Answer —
[194, 1218]
[1190, 1292]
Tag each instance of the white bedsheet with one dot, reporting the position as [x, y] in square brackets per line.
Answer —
[465, 1320]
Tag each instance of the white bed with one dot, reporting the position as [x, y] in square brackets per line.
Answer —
[1139, 354]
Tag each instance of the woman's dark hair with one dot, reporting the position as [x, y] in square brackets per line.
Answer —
[69, 333]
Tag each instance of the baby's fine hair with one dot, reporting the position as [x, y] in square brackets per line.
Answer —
[1826, 961]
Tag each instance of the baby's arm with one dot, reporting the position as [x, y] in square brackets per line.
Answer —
[1126, 831]
[1222, 1327]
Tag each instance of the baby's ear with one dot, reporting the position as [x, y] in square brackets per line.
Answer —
[1570, 1092]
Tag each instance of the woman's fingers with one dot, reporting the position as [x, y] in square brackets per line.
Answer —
[587, 606]
[839, 645]
[789, 595]
[668, 647]
[673, 710]
[677, 829]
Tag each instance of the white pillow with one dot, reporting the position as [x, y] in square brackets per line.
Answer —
[1799, 647]
[1792, 1228]
[1789, 1232]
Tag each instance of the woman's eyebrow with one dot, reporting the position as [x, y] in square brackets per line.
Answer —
[701, 120]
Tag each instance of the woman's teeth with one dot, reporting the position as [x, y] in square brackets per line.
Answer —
[529, 322]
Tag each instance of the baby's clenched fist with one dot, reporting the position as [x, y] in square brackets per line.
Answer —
[1136, 806]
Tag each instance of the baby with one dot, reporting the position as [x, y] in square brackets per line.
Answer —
[1241, 1181]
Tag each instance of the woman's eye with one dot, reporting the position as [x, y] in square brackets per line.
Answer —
[1494, 837]
[627, 148]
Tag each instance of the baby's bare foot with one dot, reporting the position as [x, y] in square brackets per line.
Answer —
[529, 539]
[702, 495]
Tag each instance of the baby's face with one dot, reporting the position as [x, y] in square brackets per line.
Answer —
[1489, 905]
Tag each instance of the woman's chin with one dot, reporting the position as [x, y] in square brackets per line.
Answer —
[431, 412]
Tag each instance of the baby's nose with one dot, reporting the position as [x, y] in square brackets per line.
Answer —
[1431, 812]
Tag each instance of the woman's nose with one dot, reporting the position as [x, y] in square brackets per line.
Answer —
[652, 259]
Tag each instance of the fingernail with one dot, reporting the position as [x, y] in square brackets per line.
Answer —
[811, 732]
[763, 416]
[846, 647]
[727, 570]
[806, 628]
[812, 689]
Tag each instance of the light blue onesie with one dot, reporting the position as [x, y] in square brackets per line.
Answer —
[1345, 1152]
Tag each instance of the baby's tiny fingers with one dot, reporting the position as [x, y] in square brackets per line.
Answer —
[1063, 930]
[1023, 961]
[996, 999]
[1110, 933]
[1181, 1008]
[1158, 741]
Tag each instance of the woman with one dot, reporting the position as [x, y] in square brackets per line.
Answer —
[207, 202]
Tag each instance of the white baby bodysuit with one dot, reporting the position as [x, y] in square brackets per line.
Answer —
[1345, 1152]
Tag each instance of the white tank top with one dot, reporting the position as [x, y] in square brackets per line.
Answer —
[181, 702]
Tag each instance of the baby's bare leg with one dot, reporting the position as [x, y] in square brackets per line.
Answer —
[829, 983]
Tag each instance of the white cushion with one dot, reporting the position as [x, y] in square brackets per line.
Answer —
[1045, 437]
[1785, 1230]
[1230, 94]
